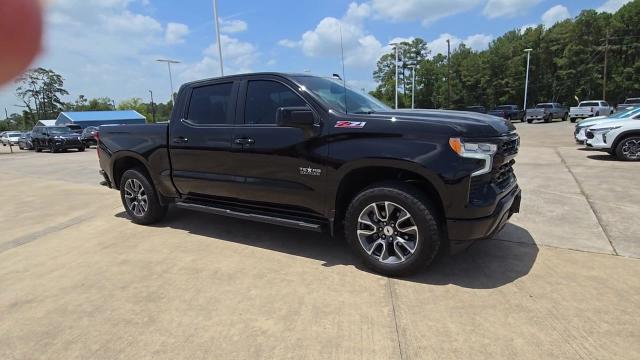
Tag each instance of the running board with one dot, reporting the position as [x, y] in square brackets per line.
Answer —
[298, 224]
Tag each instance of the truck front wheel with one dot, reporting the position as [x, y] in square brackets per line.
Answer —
[393, 229]
[140, 199]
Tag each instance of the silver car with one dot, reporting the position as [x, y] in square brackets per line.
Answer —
[10, 138]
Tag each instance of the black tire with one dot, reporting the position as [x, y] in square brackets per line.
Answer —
[529, 121]
[572, 120]
[423, 217]
[549, 118]
[565, 117]
[155, 211]
[624, 145]
[52, 148]
[37, 148]
[81, 149]
[597, 113]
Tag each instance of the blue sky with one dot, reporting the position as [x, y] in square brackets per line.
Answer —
[108, 47]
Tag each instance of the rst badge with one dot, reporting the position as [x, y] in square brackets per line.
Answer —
[351, 124]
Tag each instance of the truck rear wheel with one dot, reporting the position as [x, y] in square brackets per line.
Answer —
[393, 229]
[140, 199]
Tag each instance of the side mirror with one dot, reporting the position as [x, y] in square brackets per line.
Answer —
[298, 117]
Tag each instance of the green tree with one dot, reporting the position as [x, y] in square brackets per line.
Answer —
[41, 90]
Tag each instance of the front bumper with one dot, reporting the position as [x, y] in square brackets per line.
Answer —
[581, 115]
[598, 141]
[463, 231]
[68, 144]
[581, 135]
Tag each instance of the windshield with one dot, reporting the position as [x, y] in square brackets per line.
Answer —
[332, 92]
[59, 130]
[632, 101]
[13, 134]
[624, 114]
[544, 106]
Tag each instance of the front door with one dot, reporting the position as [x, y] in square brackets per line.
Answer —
[202, 157]
[283, 166]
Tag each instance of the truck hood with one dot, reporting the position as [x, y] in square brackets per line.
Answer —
[466, 124]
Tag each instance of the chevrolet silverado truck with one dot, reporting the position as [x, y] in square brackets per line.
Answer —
[309, 153]
[508, 112]
[547, 112]
[587, 109]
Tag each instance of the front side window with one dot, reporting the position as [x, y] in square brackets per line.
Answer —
[264, 97]
[211, 104]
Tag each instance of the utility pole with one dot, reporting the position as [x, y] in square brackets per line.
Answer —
[153, 108]
[413, 86]
[396, 66]
[604, 76]
[215, 15]
[449, 73]
[6, 114]
[526, 81]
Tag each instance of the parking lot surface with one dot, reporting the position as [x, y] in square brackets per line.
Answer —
[78, 280]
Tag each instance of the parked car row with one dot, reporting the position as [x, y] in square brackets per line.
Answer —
[52, 138]
[617, 134]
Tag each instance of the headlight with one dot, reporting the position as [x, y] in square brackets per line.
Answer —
[605, 130]
[482, 151]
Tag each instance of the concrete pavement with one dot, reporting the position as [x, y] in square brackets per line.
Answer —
[78, 280]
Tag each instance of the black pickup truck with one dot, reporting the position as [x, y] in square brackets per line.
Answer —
[307, 152]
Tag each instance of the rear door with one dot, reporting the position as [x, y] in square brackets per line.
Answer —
[200, 143]
[284, 166]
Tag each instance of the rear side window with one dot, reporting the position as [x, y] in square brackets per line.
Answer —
[211, 104]
[264, 97]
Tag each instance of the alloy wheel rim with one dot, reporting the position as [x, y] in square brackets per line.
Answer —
[136, 197]
[631, 149]
[387, 232]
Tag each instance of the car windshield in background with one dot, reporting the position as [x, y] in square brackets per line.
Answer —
[13, 134]
[544, 106]
[332, 92]
[59, 130]
[632, 101]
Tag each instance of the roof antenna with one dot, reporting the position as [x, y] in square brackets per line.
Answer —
[344, 78]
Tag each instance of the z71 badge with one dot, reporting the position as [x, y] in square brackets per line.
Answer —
[351, 124]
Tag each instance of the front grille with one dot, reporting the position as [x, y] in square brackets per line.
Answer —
[503, 176]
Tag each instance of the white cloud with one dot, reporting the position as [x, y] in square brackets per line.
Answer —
[238, 57]
[525, 27]
[612, 6]
[554, 15]
[176, 33]
[426, 11]
[130, 22]
[508, 8]
[233, 26]
[476, 42]
[289, 43]
[357, 12]
[360, 49]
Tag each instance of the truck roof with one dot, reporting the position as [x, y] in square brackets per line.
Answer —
[235, 76]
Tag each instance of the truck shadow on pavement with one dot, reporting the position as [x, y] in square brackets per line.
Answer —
[486, 264]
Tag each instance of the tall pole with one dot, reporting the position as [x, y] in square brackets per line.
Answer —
[449, 73]
[396, 64]
[604, 75]
[153, 107]
[526, 81]
[217, 22]
[169, 62]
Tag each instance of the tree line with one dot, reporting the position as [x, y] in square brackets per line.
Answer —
[567, 63]
[41, 90]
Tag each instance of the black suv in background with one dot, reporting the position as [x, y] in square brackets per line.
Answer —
[88, 136]
[55, 138]
[308, 152]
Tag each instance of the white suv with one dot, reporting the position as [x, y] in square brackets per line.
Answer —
[10, 138]
[582, 127]
[619, 138]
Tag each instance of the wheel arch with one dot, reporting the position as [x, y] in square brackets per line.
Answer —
[357, 176]
[125, 160]
[623, 135]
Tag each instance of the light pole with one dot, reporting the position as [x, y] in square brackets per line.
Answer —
[526, 81]
[169, 62]
[396, 66]
[215, 15]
